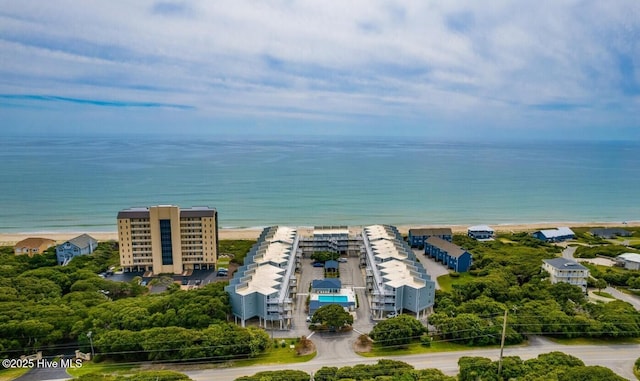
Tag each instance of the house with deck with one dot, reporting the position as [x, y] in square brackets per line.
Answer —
[566, 271]
[80, 245]
[480, 232]
[32, 246]
[450, 254]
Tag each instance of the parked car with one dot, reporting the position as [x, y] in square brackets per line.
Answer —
[318, 264]
[342, 260]
[392, 315]
[308, 318]
[222, 272]
[185, 281]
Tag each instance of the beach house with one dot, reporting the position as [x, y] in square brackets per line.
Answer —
[480, 232]
[417, 236]
[567, 271]
[33, 245]
[265, 286]
[450, 254]
[554, 235]
[166, 239]
[609, 233]
[396, 280]
[80, 245]
[630, 261]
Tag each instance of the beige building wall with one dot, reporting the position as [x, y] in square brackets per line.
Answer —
[193, 233]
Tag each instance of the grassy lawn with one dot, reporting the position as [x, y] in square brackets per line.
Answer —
[603, 294]
[594, 341]
[417, 348]
[10, 374]
[275, 356]
[104, 367]
[237, 248]
[446, 281]
[223, 262]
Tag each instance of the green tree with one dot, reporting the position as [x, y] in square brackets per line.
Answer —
[323, 256]
[398, 331]
[600, 284]
[589, 373]
[332, 316]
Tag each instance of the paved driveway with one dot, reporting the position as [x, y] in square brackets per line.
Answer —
[434, 268]
[632, 299]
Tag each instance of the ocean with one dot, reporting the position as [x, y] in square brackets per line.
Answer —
[80, 183]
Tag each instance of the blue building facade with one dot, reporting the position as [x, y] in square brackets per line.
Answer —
[450, 254]
[81, 245]
[417, 237]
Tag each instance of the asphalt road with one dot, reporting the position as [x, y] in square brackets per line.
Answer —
[619, 358]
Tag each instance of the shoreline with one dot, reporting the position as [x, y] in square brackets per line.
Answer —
[10, 239]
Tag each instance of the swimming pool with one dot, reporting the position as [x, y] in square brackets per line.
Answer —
[333, 298]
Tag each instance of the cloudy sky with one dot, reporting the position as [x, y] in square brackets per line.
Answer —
[445, 69]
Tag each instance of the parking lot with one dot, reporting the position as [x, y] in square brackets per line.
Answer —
[351, 276]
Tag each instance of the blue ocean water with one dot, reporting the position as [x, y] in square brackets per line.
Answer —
[80, 183]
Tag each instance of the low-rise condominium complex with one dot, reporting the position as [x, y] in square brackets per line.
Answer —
[418, 236]
[167, 239]
[395, 278]
[450, 254]
[265, 286]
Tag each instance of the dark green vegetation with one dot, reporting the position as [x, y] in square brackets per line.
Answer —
[398, 331]
[149, 375]
[636, 368]
[331, 317]
[237, 249]
[608, 250]
[48, 307]
[277, 375]
[384, 370]
[554, 366]
[323, 256]
[508, 276]
[615, 276]
[41, 303]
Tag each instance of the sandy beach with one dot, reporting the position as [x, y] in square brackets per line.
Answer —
[9, 239]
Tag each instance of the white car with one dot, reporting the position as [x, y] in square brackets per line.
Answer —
[392, 315]
[308, 319]
[343, 260]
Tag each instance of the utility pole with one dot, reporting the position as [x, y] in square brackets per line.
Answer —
[91, 342]
[504, 332]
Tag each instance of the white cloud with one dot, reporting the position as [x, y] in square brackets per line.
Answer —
[312, 59]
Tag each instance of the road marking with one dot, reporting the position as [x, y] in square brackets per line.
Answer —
[309, 336]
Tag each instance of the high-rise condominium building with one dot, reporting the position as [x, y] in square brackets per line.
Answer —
[167, 239]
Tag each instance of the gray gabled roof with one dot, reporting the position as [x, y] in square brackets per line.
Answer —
[610, 232]
[83, 241]
[452, 249]
[430, 231]
[564, 264]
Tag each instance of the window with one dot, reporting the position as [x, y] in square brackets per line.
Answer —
[165, 242]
